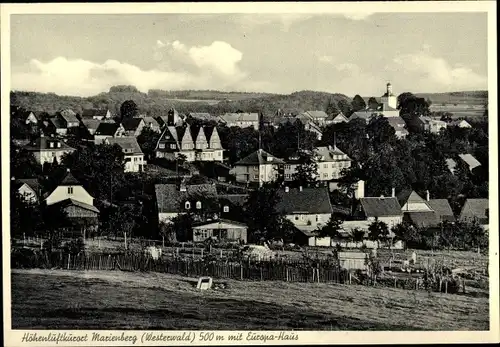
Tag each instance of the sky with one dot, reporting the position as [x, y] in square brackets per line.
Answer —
[351, 53]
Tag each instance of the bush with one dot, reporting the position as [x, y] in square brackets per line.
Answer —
[74, 246]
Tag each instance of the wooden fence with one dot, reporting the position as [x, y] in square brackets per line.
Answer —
[292, 271]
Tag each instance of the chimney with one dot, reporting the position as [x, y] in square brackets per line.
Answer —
[393, 192]
[287, 189]
[428, 195]
[300, 188]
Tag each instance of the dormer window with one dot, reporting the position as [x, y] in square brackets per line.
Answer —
[198, 205]
[226, 209]
[162, 145]
[59, 145]
[269, 158]
[51, 144]
[187, 205]
[70, 190]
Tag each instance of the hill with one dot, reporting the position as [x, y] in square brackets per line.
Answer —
[158, 102]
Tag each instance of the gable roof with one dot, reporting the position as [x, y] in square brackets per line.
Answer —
[381, 207]
[69, 180]
[475, 208]
[259, 157]
[57, 122]
[131, 124]
[69, 116]
[327, 153]
[129, 145]
[470, 160]
[460, 122]
[339, 115]
[42, 143]
[33, 183]
[170, 198]
[409, 196]
[309, 200]
[90, 123]
[107, 129]
[442, 209]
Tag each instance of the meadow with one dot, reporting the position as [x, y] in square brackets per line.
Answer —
[58, 299]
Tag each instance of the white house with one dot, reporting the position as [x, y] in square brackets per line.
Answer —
[28, 188]
[134, 158]
[107, 130]
[461, 123]
[242, 120]
[69, 188]
[46, 149]
[258, 167]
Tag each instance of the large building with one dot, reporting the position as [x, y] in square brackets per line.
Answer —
[258, 167]
[330, 160]
[195, 143]
[242, 120]
[133, 156]
[48, 149]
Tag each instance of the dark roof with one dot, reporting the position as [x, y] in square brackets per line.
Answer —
[309, 200]
[69, 180]
[381, 207]
[170, 198]
[42, 143]
[129, 145]
[259, 157]
[131, 124]
[31, 182]
[107, 129]
[423, 219]
[201, 116]
[69, 116]
[442, 209]
[408, 195]
[475, 209]
[90, 123]
[235, 199]
[58, 123]
[68, 202]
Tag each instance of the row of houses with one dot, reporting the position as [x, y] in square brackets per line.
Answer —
[310, 208]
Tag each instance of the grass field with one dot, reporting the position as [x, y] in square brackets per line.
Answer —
[57, 299]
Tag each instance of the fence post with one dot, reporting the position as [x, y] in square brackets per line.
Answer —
[261, 277]
[221, 252]
[395, 285]
[202, 252]
[69, 258]
[416, 284]
[446, 287]
[241, 271]
[463, 283]
[286, 268]
[350, 277]
[317, 270]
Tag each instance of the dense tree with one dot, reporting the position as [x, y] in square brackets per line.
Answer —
[148, 140]
[378, 231]
[123, 220]
[100, 167]
[262, 217]
[167, 233]
[358, 235]
[23, 163]
[183, 226]
[331, 228]
[307, 171]
[358, 103]
[408, 234]
[373, 103]
[332, 108]
[129, 109]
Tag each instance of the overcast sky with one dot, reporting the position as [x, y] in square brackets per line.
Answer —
[350, 54]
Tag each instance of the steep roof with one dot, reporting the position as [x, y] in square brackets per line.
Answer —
[33, 183]
[309, 200]
[58, 123]
[470, 160]
[339, 115]
[442, 209]
[410, 196]
[131, 124]
[90, 123]
[475, 208]
[107, 129]
[329, 153]
[259, 157]
[381, 207]
[170, 198]
[128, 145]
[69, 116]
[94, 112]
[42, 143]
[69, 180]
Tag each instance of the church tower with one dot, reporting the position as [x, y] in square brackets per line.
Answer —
[389, 99]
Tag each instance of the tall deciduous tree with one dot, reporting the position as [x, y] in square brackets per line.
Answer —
[307, 171]
[332, 108]
[129, 109]
[358, 103]
[378, 231]
[147, 140]
[331, 228]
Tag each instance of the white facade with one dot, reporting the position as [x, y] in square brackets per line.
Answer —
[134, 162]
[308, 219]
[28, 194]
[75, 192]
[255, 173]
[391, 221]
[47, 156]
[389, 99]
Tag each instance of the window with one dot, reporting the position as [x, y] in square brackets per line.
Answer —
[172, 146]
[198, 205]
[187, 205]
[162, 145]
[70, 190]
[325, 166]
[226, 209]
[301, 217]
[296, 217]
[317, 218]
[325, 175]
[255, 177]
[333, 165]
[59, 145]
[288, 167]
[288, 176]
[51, 145]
